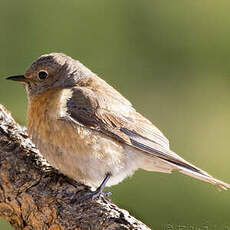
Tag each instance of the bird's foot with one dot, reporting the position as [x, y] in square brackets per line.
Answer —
[95, 195]
[99, 191]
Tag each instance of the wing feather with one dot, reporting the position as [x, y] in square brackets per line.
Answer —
[98, 106]
[91, 109]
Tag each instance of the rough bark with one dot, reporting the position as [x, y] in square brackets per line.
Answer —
[33, 195]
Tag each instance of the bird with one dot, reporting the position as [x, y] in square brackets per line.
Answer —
[88, 131]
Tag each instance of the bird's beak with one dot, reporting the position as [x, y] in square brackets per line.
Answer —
[20, 78]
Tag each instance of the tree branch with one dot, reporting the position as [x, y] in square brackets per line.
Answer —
[33, 195]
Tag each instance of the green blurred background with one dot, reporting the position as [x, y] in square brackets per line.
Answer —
[170, 58]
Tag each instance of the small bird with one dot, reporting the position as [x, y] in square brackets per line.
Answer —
[89, 131]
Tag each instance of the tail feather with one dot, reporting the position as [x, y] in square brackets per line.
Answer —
[197, 173]
[158, 150]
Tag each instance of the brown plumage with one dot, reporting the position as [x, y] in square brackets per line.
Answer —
[87, 130]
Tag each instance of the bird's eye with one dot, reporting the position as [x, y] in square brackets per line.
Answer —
[42, 75]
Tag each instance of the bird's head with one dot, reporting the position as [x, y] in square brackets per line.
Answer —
[50, 71]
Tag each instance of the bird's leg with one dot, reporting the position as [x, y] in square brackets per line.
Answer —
[99, 191]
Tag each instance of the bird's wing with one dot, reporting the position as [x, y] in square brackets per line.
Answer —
[102, 108]
[112, 117]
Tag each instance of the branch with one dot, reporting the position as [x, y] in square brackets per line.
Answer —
[33, 195]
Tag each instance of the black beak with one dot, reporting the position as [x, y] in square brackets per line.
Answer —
[20, 78]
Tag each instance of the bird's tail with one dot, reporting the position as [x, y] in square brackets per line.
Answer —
[165, 160]
[193, 171]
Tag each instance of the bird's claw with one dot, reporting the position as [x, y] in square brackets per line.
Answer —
[97, 194]
[99, 191]
[94, 195]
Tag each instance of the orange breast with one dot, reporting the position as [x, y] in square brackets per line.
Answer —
[49, 128]
[44, 117]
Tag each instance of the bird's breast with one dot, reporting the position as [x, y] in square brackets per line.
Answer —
[47, 126]
[78, 152]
